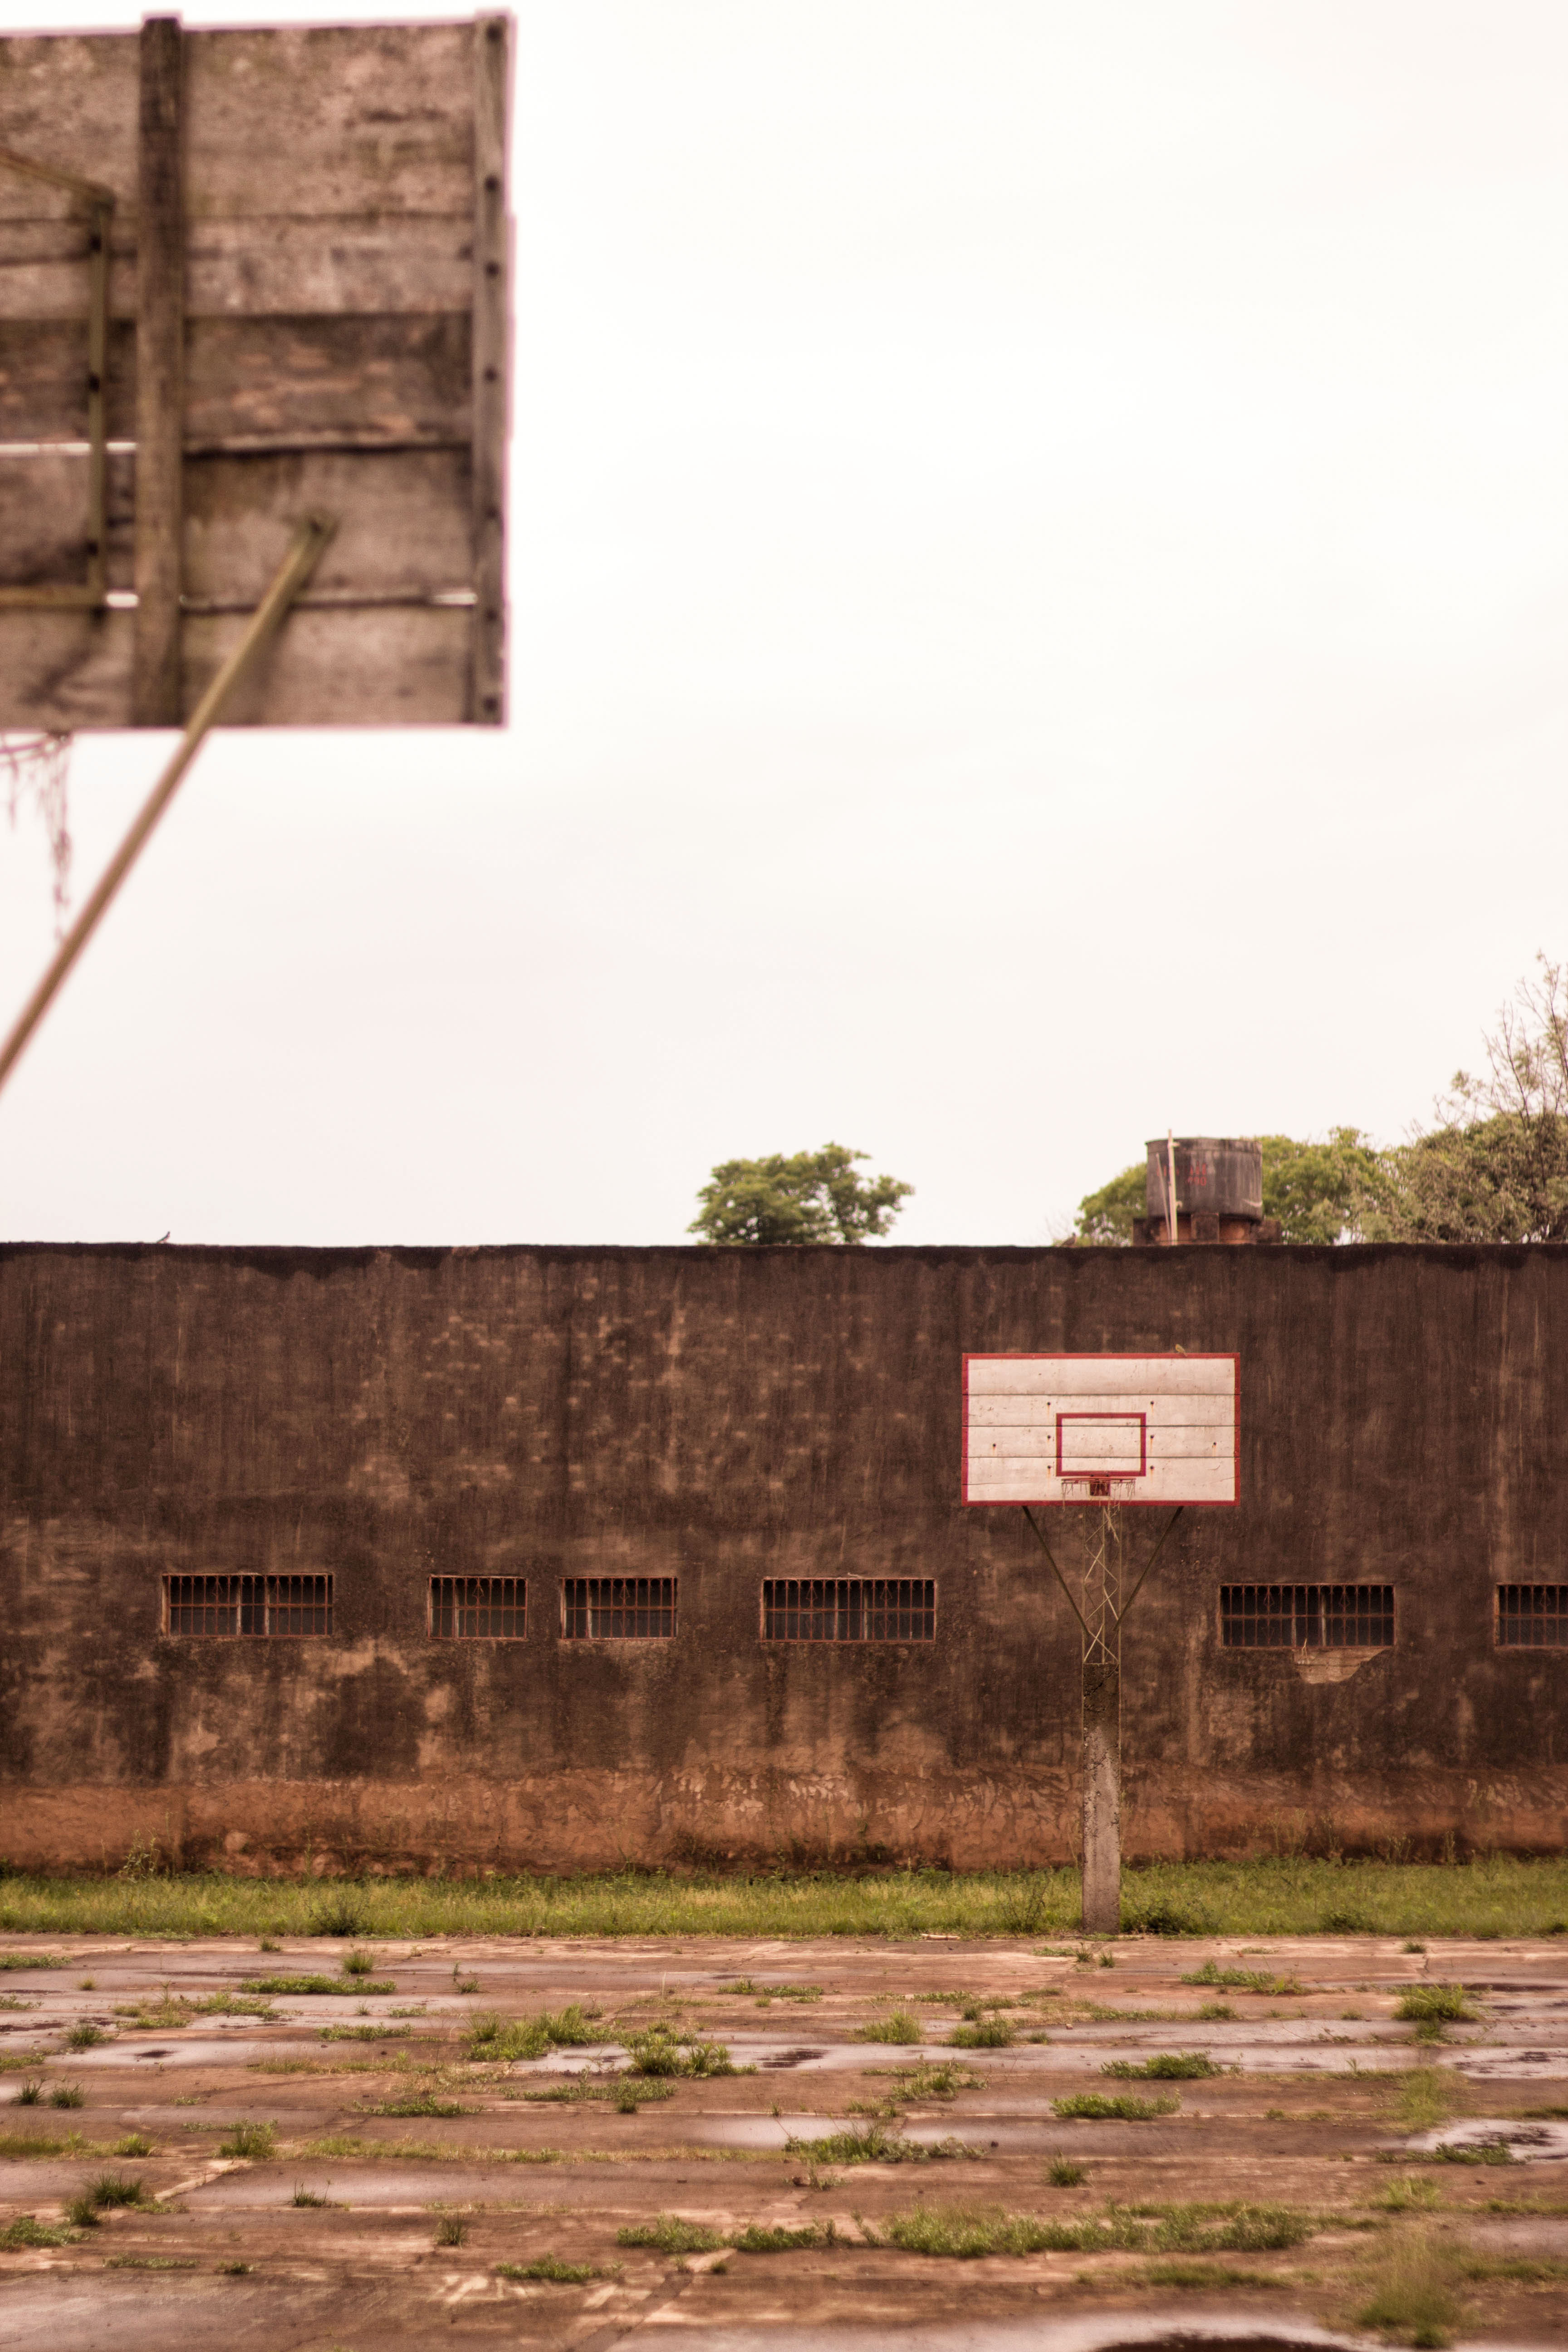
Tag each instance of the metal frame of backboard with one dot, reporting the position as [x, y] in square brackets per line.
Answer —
[248, 277]
[1027, 1424]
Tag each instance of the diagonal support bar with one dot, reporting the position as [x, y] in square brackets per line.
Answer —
[1056, 1572]
[295, 570]
[1149, 1563]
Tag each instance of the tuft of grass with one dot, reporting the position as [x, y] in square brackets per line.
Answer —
[85, 2036]
[930, 2078]
[133, 2144]
[624, 2092]
[346, 1912]
[493, 2039]
[67, 2094]
[451, 2230]
[897, 2026]
[25, 2231]
[1412, 2295]
[1215, 2009]
[1410, 2195]
[1432, 2006]
[235, 2270]
[1089, 2107]
[1244, 1980]
[1202, 2275]
[550, 2267]
[662, 2052]
[1179, 2066]
[312, 2196]
[34, 1960]
[1488, 2151]
[991, 2034]
[151, 2262]
[419, 2103]
[255, 2141]
[104, 2191]
[667, 2233]
[756, 2240]
[1424, 2097]
[299, 1986]
[873, 2143]
[31, 2094]
[1413, 1948]
[1063, 2173]
[358, 1964]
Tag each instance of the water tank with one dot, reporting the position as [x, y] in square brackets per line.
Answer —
[1217, 1176]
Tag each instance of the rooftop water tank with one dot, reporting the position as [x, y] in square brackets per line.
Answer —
[1219, 1188]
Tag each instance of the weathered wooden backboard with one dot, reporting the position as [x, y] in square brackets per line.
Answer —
[306, 313]
[1101, 1429]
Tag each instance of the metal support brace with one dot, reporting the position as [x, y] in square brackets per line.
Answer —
[295, 570]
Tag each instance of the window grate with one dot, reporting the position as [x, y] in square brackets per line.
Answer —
[226, 1605]
[479, 1608]
[1532, 1616]
[849, 1609]
[618, 1608]
[1305, 1616]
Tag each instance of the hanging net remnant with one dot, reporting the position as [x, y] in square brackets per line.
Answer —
[36, 769]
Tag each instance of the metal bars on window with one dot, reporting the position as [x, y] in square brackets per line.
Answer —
[849, 1609]
[618, 1608]
[479, 1608]
[264, 1605]
[1532, 1616]
[1305, 1616]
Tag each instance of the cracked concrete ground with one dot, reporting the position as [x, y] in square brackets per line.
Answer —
[1325, 2108]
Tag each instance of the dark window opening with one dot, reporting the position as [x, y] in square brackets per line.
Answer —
[479, 1608]
[1532, 1616]
[618, 1608]
[247, 1604]
[1305, 1616]
[849, 1609]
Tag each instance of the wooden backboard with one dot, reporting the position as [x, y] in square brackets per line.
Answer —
[306, 313]
[1101, 1429]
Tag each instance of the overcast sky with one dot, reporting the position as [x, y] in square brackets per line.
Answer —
[1039, 598]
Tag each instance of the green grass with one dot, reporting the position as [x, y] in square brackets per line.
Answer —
[33, 1960]
[1286, 1895]
[625, 2093]
[756, 2240]
[19, 2147]
[872, 2142]
[1089, 2107]
[339, 1985]
[968, 2231]
[667, 2233]
[662, 2052]
[108, 2188]
[991, 2034]
[423, 2151]
[1435, 2004]
[937, 2078]
[362, 2032]
[1413, 2297]
[1170, 2066]
[253, 2140]
[573, 2028]
[550, 2267]
[1205, 2276]
[1245, 1980]
[420, 2103]
[26, 2232]
[897, 2026]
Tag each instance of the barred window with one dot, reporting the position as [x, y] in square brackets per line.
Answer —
[1532, 1616]
[849, 1609]
[479, 1608]
[1305, 1616]
[247, 1604]
[618, 1608]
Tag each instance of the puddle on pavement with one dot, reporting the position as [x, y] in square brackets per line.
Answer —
[1529, 2142]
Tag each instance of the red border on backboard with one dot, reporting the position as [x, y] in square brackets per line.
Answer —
[1094, 1356]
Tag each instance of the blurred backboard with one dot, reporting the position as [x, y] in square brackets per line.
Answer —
[1101, 1429]
[297, 305]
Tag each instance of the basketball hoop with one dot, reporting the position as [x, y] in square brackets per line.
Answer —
[37, 767]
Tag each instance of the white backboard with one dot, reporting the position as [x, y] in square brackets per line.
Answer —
[1101, 1429]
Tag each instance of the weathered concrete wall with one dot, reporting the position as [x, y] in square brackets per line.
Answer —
[722, 1416]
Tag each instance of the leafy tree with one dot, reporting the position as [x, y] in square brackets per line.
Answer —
[1313, 1188]
[1494, 1168]
[809, 1196]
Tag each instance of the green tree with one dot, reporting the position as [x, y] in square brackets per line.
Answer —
[1313, 1188]
[809, 1196]
[1494, 1167]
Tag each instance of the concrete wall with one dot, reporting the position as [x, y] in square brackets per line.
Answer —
[721, 1416]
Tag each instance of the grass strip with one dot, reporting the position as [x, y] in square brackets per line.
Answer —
[1180, 2066]
[667, 2233]
[874, 2143]
[1091, 2108]
[343, 1986]
[426, 2151]
[968, 2231]
[1273, 1895]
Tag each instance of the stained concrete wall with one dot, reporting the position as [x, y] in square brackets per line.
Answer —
[721, 1416]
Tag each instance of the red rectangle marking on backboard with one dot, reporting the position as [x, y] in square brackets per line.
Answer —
[1187, 1409]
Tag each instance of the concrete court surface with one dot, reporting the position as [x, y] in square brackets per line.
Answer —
[1325, 2107]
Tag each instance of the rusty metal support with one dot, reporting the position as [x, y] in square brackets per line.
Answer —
[296, 568]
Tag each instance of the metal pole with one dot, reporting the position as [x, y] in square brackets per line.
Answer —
[1101, 1618]
[295, 570]
[1171, 1196]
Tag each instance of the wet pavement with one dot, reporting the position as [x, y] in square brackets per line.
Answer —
[1256, 2192]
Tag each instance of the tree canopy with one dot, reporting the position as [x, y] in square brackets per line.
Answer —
[807, 1196]
[1492, 1167]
